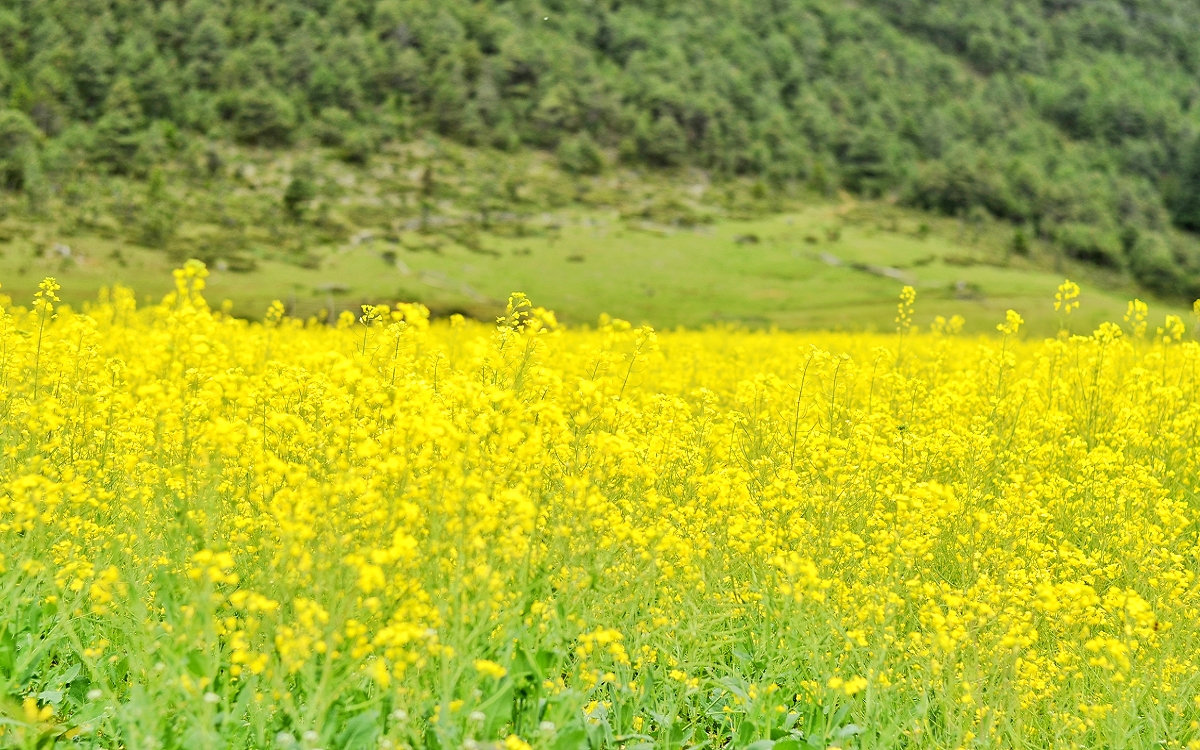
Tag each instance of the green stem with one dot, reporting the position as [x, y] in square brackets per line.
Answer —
[37, 355]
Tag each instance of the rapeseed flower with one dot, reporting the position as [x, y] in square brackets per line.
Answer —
[418, 533]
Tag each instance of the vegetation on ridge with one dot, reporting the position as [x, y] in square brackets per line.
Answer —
[1076, 121]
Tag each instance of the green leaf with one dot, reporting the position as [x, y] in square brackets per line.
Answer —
[680, 733]
[790, 720]
[744, 732]
[736, 687]
[546, 660]
[840, 715]
[8, 653]
[51, 696]
[196, 665]
[600, 734]
[524, 664]
[361, 731]
[848, 731]
[498, 708]
[761, 745]
[571, 738]
[70, 674]
[791, 743]
[432, 741]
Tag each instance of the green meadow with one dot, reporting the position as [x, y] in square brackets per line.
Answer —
[827, 265]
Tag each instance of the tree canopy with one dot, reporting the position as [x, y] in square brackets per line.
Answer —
[1076, 119]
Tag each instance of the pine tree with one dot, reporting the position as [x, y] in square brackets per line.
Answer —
[93, 71]
[1186, 208]
[18, 140]
[119, 131]
[300, 191]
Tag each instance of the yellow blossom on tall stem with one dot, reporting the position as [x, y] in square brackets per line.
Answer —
[403, 532]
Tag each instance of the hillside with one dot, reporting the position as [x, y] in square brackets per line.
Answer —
[1074, 122]
[459, 228]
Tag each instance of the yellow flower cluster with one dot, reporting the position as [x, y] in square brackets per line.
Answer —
[393, 532]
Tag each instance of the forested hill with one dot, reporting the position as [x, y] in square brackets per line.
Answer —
[1076, 118]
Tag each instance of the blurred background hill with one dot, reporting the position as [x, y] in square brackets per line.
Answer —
[276, 138]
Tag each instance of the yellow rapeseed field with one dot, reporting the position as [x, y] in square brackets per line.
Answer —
[392, 533]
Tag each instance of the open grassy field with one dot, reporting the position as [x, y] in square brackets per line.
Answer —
[393, 533]
[827, 265]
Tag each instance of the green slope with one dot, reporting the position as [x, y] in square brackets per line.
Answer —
[824, 265]
[1076, 120]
